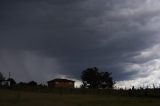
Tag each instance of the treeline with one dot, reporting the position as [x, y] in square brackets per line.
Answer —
[95, 82]
[11, 83]
[91, 78]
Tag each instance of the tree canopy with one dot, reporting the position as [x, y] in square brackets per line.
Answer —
[1, 76]
[92, 78]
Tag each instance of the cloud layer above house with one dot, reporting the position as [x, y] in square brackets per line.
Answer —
[45, 39]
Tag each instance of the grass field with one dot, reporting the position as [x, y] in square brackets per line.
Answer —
[26, 98]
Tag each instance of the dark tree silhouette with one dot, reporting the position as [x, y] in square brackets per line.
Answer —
[22, 84]
[92, 78]
[106, 80]
[1, 77]
[32, 83]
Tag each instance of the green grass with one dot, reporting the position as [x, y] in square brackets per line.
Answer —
[26, 98]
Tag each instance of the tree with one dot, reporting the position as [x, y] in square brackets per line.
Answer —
[2, 77]
[32, 83]
[92, 78]
[106, 80]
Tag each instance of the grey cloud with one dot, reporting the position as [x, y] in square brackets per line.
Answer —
[67, 36]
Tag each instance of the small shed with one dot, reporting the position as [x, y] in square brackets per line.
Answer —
[61, 83]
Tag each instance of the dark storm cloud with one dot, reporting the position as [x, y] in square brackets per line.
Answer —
[63, 37]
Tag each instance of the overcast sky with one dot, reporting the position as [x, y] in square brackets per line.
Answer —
[45, 39]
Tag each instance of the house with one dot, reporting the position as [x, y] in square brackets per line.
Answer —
[7, 83]
[4, 83]
[61, 83]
